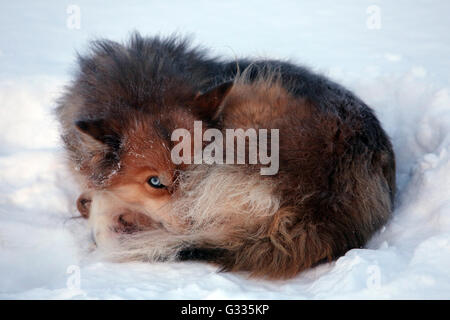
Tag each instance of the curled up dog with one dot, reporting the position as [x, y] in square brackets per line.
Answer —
[331, 186]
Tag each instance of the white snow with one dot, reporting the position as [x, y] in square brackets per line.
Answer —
[400, 68]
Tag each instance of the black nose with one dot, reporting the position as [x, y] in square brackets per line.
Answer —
[84, 205]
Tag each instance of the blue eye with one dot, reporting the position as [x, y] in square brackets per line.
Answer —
[154, 182]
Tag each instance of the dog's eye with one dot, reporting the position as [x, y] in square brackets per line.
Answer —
[155, 183]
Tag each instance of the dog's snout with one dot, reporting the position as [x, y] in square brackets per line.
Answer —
[84, 205]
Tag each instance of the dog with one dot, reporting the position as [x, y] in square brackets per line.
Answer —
[334, 188]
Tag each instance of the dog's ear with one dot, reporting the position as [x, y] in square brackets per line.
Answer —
[207, 104]
[101, 131]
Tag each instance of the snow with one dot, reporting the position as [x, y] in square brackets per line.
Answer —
[400, 67]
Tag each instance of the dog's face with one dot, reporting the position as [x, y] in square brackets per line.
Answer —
[137, 179]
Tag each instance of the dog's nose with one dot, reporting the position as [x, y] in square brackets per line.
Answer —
[84, 205]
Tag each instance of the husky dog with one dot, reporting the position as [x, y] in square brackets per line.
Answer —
[334, 189]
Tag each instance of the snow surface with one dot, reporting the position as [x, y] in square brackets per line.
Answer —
[401, 69]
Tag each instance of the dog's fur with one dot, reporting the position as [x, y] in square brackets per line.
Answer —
[334, 189]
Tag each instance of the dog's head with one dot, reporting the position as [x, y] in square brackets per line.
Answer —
[129, 164]
[127, 160]
[117, 118]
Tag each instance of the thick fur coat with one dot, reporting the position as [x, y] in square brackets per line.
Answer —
[334, 189]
